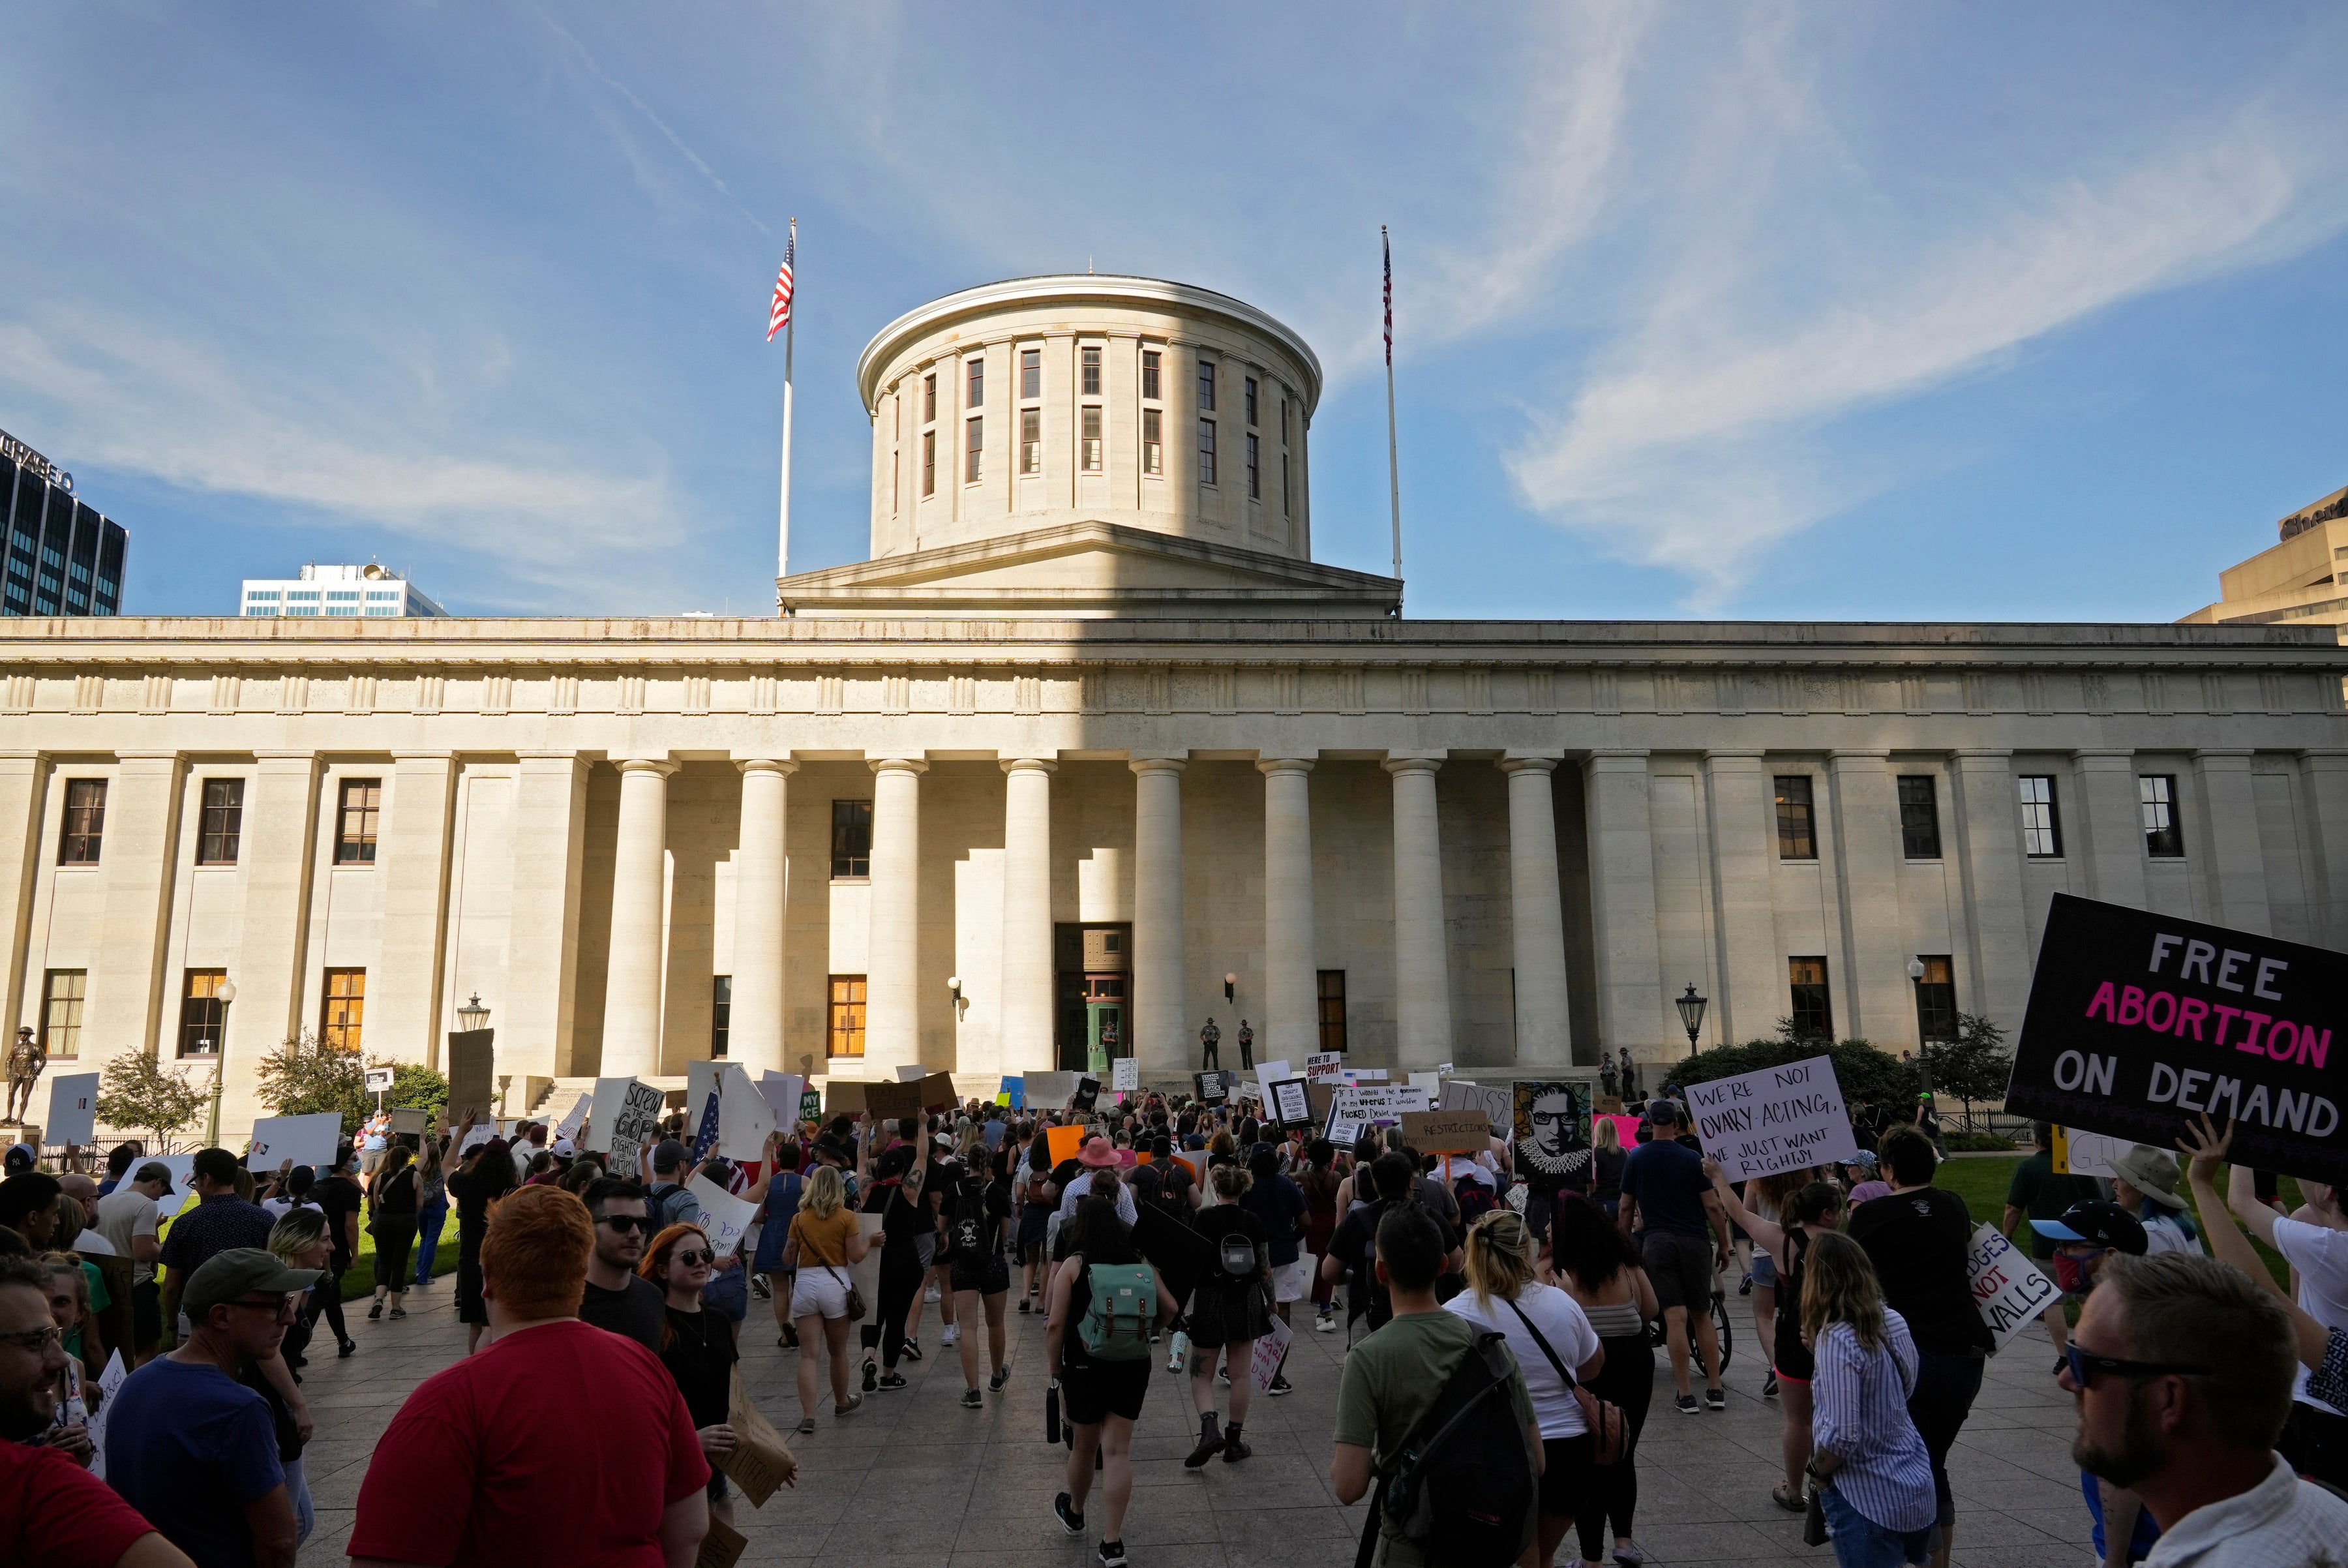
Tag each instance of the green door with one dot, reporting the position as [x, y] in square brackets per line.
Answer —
[1104, 1036]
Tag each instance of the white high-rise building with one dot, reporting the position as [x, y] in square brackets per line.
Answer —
[369, 590]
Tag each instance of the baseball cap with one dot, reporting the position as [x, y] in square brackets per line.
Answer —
[226, 1276]
[564, 1149]
[1666, 1110]
[154, 1171]
[2098, 1221]
[20, 1156]
[670, 1156]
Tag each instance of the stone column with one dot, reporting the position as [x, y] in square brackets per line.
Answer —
[2114, 839]
[2324, 782]
[1290, 1029]
[1025, 989]
[892, 964]
[537, 1019]
[405, 1013]
[138, 859]
[24, 784]
[1161, 1022]
[1751, 993]
[1986, 814]
[2237, 877]
[1537, 915]
[1422, 956]
[755, 1027]
[280, 872]
[632, 985]
[1875, 1000]
[1623, 907]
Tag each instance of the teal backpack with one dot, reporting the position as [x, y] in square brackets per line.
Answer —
[1116, 1326]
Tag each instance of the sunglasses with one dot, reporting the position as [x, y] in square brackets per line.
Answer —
[625, 1221]
[2087, 1366]
[691, 1257]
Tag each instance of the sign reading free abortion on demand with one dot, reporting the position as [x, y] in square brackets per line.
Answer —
[2139, 1022]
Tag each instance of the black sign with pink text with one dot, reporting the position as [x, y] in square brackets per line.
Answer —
[2139, 1022]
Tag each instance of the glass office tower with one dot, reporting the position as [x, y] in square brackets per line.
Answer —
[63, 558]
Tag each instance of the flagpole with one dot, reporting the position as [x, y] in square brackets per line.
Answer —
[1394, 467]
[790, 328]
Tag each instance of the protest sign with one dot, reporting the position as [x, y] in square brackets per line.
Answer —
[1049, 1091]
[628, 1119]
[890, 1101]
[909, 1072]
[1355, 1076]
[1324, 1066]
[482, 1132]
[1495, 1100]
[724, 1217]
[73, 1107]
[938, 1091]
[1288, 1104]
[1778, 1119]
[2137, 1022]
[2086, 1153]
[1013, 1093]
[575, 1118]
[745, 1120]
[1127, 1078]
[1431, 1082]
[1062, 1142]
[810, 1104]
[1263, 1360]
[412, 1120]
[1210, 1088]
[109, 1383]
[783, 1093]
[1268, 1074]
[1549, 1133]
[843, 1096]
[180, 1167]
[722, 1546]
[1607, 1104]
[1319, 1098]
[1088, 1094]
[2007, 1287]
[304, 1139]
[1446, 1131]
[472, 1075]
[379, 1079]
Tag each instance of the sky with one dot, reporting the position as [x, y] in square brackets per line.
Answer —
[1978, 311]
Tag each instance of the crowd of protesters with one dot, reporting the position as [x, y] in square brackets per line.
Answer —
[1513, 1303]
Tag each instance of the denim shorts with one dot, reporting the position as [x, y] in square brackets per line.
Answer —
[1861, 1542]
[728, 1292]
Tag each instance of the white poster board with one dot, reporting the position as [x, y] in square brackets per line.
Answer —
[1361, 1075]
[1779, 1119]
[483, 1133]
[181, 1166]
[2007, 1286]
[724, 1217]
[1268, 1074]
[782, 1093]
[304, 1139]
[1495, 1100]
[866, 1276]
[1431, 1082]
[1355, 1108]
[629, 1120]
[575, 1118]
[1049, 1091]
[743, 1118]
[1127, 1074]
[380, 1079]
[73, 1110]
[108, 1384]
[1324, 1066]
[701, 1081]
[2091, 1153]
[1263, 1361]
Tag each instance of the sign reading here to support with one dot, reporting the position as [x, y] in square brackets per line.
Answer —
[1324, 1066]
[1778, 1119]
[2137, 1022]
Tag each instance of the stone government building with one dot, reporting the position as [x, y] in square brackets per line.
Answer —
[1090, 733]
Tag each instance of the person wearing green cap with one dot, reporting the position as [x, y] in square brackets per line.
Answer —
[191, 1448]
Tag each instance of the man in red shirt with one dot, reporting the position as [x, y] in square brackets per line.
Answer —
[547, 1435]
[53, 1512]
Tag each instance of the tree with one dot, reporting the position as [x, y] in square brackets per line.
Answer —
[308, 1076]
[1975, 1066]
[419, 1087]
[135, 1091]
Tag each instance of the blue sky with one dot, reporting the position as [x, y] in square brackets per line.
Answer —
[1925, 311]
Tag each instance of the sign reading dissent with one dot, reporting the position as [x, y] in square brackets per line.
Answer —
[2139, 1022]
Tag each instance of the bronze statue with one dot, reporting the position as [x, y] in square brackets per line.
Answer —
[26, 1059]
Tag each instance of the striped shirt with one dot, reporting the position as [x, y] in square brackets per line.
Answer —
[1858, 1413]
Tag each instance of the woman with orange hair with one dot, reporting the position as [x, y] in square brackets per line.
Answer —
[696, 1346]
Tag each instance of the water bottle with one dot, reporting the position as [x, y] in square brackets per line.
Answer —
[1177, 1351]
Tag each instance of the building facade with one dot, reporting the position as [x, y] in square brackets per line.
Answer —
[2296, 581]
[63, 558]
[1081, 746]
[340, 592]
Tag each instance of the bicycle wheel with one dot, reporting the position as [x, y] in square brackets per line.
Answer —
[1721, 1317]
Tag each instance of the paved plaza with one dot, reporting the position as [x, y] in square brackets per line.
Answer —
[913, 1477]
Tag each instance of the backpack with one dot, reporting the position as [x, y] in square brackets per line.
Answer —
[1237, 1255]
[1116, 1326]
[662, 1203]
[968, 1228]
[1474, 1201]
[1463, 1490]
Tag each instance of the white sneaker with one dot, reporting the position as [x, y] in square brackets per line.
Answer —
[952, 1331]
[931, 1293]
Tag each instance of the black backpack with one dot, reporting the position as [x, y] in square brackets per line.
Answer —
[1463, 1490]
[969, 1223]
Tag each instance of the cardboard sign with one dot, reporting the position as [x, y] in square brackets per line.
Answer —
[304, 1139]
[1270, 1350]
[1126, 1075]
[1062, 1142]
[410, 1119]
[892, 1101]
[745, 1120]
[1323, 1066]
[1049, 1091]
[2137, 1022]
[724, 1217]
[2007, 1287]
[844, 1097]
[575, 1118]
[1446, 1131]
[73, 1108]
[1288, 1104]
[1497, 1100]
[473, 1074]
[758, 1468]
[379, 1079]
[722, 1547]
[1320, 1097]
[1607, 1104]
[1779, 1119]
[938, 1091]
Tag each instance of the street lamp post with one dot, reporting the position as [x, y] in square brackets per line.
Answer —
[225, 994]
[1690, 1007]
[472, 1016]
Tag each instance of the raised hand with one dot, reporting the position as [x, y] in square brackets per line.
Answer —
[2206, 1149]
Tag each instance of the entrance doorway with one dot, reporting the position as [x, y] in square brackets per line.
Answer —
[1093, 987]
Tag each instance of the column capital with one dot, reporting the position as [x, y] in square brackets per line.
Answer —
[2325, 760]
[2104, 758]
[2229, 756]
[404, 758]
[659, 766]
[1734, 758]
[897, 764]
[1028, 764]
[1618, 760]
[1272, 766]
[1514, 765]
[1400, 765]
[1980, 753]
[169, 759]
[1850, 754]
[1148, 765]
[781, 765]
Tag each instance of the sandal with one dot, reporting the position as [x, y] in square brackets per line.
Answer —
[1790, 1501]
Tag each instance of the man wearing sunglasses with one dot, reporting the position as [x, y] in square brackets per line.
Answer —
[193, 1449]
[618, 1299]
[2084, 1238]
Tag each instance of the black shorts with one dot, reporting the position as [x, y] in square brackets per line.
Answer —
[146, 1315]
[1680, 1268]
[987, 1276]
[1104, 1388]
[1565, 1473]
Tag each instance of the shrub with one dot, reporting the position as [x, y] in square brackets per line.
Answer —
[1862, 1071]
[1978, 1143]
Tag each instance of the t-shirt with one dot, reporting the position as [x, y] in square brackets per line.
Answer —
[340, 1197]
[1394, 1376]
[823, 1239]
[1566, 1327]
[633, 1312]
[2041, 1194]
[55, 1514]
[2320, 1255]
[122, 1216]
[1080, 1186]
[1355, 1243]
[214, 1225]
[278, 1208]
[700, 1355]
[489, 1454]
[192, 1450]
[1920, 1242]
[2162, 1233]
[1666, 1179]
[1278, 1204]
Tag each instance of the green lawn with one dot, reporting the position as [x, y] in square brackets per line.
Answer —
[1983, 1181]
[358, 1279]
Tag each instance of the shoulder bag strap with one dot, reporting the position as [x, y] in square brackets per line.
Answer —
[1541, 1339]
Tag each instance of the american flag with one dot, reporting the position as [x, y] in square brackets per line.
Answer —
[779, 315]
[1384, 245]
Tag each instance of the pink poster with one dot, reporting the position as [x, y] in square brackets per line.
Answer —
[1627, 1126]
